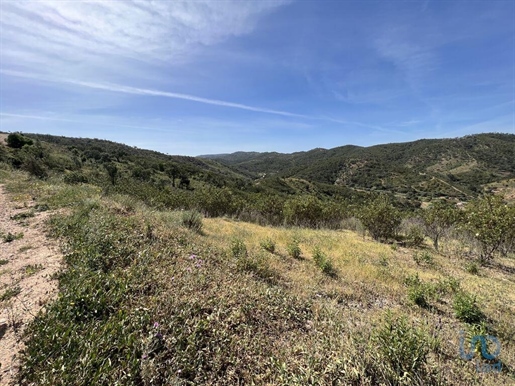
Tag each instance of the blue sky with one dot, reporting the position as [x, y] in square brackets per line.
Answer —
[200, 77]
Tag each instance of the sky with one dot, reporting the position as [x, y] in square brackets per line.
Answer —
[219, 76]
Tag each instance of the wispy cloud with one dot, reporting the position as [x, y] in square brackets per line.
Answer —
[150, 92]
[158, 93]
[415, 60]
[97, 32]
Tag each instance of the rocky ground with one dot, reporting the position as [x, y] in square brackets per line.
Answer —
[28, 263]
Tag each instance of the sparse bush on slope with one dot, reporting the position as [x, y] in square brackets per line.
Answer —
[380, 218]
[438, 218]
[492, 224]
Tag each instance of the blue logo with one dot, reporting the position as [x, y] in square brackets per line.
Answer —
[468, 354]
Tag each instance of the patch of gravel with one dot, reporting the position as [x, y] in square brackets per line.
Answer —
[27, 268]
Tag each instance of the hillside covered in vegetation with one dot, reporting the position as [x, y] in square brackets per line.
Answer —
[458, 167]
[188, 271]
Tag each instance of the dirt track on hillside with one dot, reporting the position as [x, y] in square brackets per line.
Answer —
[27, 265]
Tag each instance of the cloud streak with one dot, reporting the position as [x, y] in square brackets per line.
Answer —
[150, 92]
[192, 98]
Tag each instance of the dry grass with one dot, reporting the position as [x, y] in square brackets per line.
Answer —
[274, 320]
[370, 278]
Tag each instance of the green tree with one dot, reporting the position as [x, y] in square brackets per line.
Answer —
[17, 140]
[491, 222]
[380, 218]
[112, 171]
[438, 218]
[214, 202]
[172, 171]
[304, 210]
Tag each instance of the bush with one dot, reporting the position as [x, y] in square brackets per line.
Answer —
[472, 268]
[293, 249]
[323, 262]
[35, 167]
[419, 293]
[238, 249]
[466, 308]
[192, 219]
[402, 348]
[303, 211]
[415, 237]
[17, 140]
[380, 218]
[7, 238]
[423, 258]
[268, 245]
[10, 293]
[75, 178]
[438, 218]
[449, 284]
[492, 223]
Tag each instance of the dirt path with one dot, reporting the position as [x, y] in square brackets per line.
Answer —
[27, 265]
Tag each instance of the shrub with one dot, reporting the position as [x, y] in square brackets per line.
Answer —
[419, 293]
[380, 218]
[402, 349]
[303, 211]
[75, 178]
[18, 140]
[449, 284]
[192, 219]
[238, 248]
[472, 268]
[22, 216]
[35, 167]
[492, 223]
[215, 202]
[415, 236]
[10, 293]
[423, 258]
[466, 308]
[322, 261]
[438, 218]
[259, 264]
[472, 330]
[293, 249]
[268, 245]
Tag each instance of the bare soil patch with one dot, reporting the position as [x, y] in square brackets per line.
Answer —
[28, 262]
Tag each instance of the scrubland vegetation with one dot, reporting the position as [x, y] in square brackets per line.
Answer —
[185, 272]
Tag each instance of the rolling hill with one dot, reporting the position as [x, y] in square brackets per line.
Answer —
[458, 167]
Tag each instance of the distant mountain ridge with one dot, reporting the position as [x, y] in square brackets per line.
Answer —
[441, 166]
